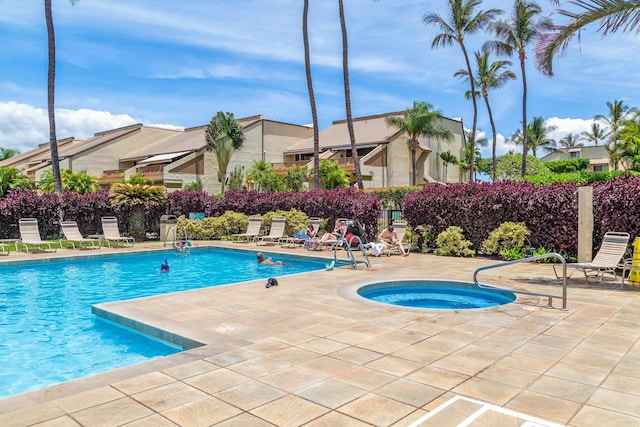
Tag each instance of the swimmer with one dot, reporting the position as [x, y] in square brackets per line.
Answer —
[164, 267]
[263, 260]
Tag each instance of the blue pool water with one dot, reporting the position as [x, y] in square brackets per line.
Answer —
[437, 294]
[48, 334]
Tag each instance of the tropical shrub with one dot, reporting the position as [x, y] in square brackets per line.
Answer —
[213, 227]
[392, 198]
[295, 220]
[137, 197]
[580, 178]
[78, 182]
[23, 203]
[509, 238]
[572, 165]
[10, 179]
[451, 242]
[196, 185]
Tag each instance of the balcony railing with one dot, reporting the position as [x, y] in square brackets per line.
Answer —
[113, 175]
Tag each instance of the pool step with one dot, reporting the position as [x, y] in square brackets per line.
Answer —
[465, 412]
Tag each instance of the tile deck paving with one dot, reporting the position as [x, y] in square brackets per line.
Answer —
[309, 352]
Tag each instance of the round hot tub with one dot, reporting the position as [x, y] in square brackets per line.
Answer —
[438, 294]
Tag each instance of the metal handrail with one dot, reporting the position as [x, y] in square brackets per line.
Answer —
[529, 259]
[347, 245]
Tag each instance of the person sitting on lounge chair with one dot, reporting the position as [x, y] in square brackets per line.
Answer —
[338, 231]
[390, 238]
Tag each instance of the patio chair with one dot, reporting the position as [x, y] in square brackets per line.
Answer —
[303, 241]
[30, 236]
[253, 231]
[111, 233]
[400, 227]
[614, 245]
[72, 235]
[276, 233]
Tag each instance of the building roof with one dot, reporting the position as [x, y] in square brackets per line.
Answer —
[43, 150]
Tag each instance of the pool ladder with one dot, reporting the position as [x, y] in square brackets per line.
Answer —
[517, 291]
[351, 259]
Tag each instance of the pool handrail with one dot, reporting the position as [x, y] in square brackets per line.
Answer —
[517, 291]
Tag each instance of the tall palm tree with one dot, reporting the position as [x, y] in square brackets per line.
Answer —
[51, 85]
[513, 37]
[347, 96]
[463, 20]
[420, 120]
[224, 135]
[618, 111]
[537, 136]
[489, 75]
[312, 98]
[614, 16]
[595, 134]
[571, 140]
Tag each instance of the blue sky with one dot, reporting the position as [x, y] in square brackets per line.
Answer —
[177, 63]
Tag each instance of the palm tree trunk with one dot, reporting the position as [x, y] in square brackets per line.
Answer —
[472, 153]
[312, 99]
[494, 134]
[414, 167]
[136, 223]
[525, 147]
[347, 96]
[51, 83]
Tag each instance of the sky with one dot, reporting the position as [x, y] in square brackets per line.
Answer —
[176, 63]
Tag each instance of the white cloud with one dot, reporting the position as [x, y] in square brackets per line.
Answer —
[23, 126]
[565, 126]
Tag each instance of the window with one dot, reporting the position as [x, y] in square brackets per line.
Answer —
[599, 168]
[575, 154]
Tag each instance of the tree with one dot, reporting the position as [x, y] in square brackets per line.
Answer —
[614, 16]
[489, 75]
[509, 166]
[295, 178]
[595, 135]
[618, 111]
[332, 176]
[538, 136]
[462, 21]
[513, 37]
[447, 159]
[80, 182]
[258, 172]
[347, 97]
[224, 135]
[629, 146]
[51, 85]
[136, 197]
[10, 179]
[312, 98]
[420, 120]
[6, 153]
[570, 140]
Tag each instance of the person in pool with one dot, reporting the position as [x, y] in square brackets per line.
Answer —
[165, 267]
[263, 260]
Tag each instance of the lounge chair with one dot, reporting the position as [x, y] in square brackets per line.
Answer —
[111, 233]
[276, 233]
[400, 227]
[253, 231]
[614, 245]
[301, 241]
[73, 236]
[30, 236]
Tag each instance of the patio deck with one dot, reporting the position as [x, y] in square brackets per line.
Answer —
[305, 353]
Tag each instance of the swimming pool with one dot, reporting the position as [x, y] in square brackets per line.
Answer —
[49, 334]
[438, 294]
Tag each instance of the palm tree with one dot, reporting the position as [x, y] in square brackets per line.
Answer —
[10, 179]
[332, 175]
[347, 97]
[514, 36]
[614, 15]
[420, 120]
[629, 146]
[447, 159]
[80, 182]
[595, 135]
[570, 140]
[258, 171]
[51, 84]
[618, 111]
[538, 136]
[6, 153]
[462, 21]
[136, 197]
[312, 98]
[489, 75]
[224, 135]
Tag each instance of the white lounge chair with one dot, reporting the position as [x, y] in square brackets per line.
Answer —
[614, 245]
[73, 236]
[111, 232]
[30, 236]
[253, 231]
[276, 232]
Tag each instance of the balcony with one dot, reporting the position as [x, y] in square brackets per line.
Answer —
[111, 176]
[153, 173]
